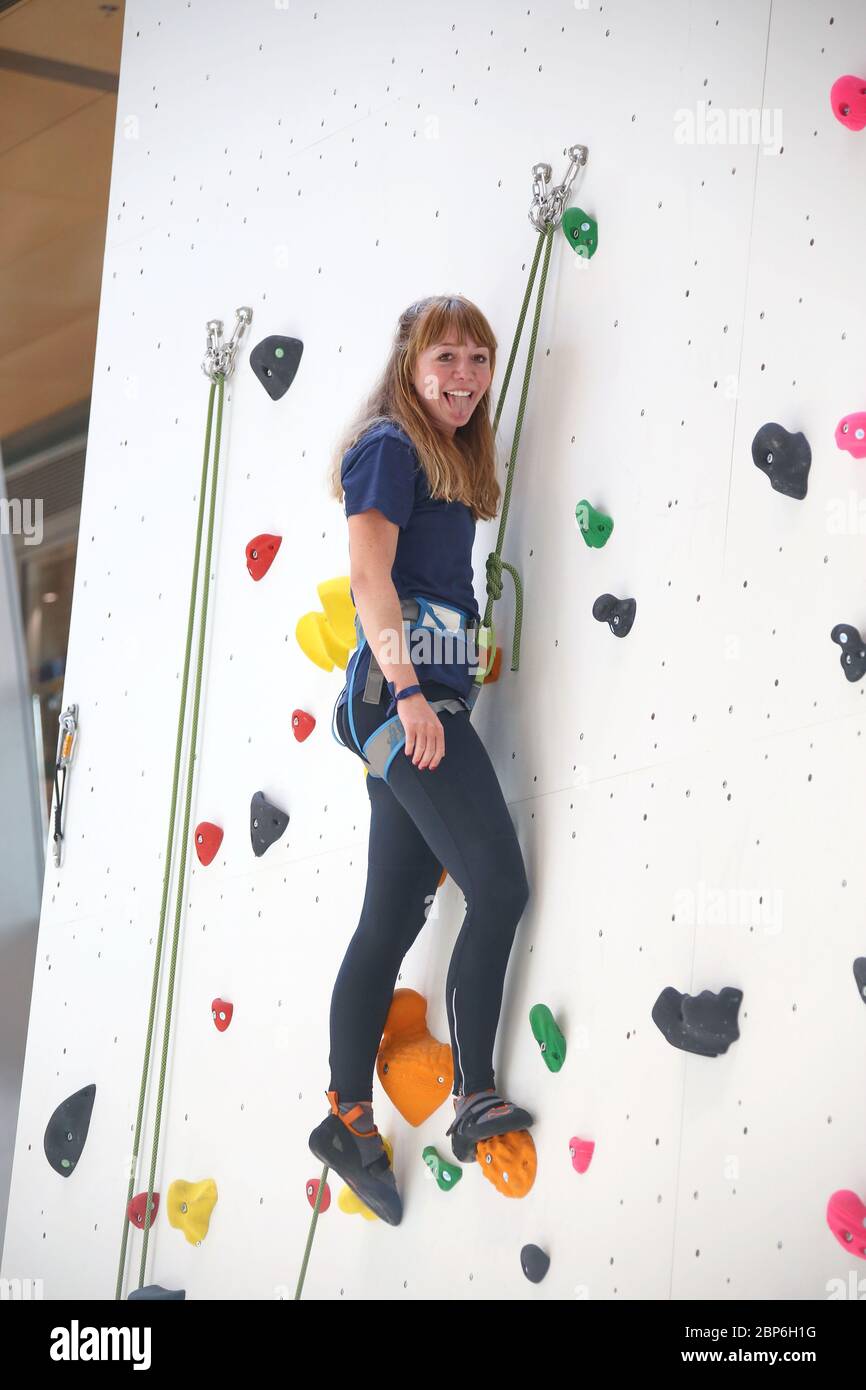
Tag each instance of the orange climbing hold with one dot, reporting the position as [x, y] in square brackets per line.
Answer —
[493, 673]
[414, 1068]
[509, 1161]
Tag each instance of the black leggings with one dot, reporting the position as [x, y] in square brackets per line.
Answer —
[454, 817]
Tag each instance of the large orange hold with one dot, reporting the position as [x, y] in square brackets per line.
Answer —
[415, 1069]
[509, 1161]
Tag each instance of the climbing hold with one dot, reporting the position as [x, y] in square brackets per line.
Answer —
[705, 1024]
[303, 724]
[486, 651]
[155, 1291]
[495, 669]
[447, 1174]
[594, 526]
[581, 231]
[442, 878]
[221, 1012]
[208, 838]
[415, 1069]
[351, 1204]
[261, 553]
[851, 434]
[509, 1161]
[581, 1151]
[853, 658]
[848, 100]
[785, 458]
[189, 1206]
[860, 976]
[327, 638]
[67, 1129]
[267, 823]
[618, 613]
[137, 1207]
[275, 361]
[313, 1192]
[548, 1036]
[846, 1217]
[534, 1263]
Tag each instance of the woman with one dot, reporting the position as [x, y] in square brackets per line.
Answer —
[417, 471]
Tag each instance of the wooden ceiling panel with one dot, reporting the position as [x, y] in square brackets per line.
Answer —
[30, 105]
[86, 32]
[52, 372]
[70, 160]
[53, 285]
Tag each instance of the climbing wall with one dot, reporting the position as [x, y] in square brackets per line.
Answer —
[688, 798]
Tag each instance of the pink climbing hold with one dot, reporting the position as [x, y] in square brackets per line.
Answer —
[208, 838]
[303, 724]
[581, 1151]
[846, 1217]
[221, 1011]
[313, 1192]
[851, 434]
[848, 100]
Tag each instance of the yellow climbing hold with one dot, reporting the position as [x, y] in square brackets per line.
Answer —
[328, 637]
[189, 1207]
[351, 1204]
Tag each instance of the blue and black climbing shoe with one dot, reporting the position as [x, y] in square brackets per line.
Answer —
[480, 1115]
[349, 1142]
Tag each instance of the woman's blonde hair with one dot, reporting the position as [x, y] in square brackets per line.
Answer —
[459, 469]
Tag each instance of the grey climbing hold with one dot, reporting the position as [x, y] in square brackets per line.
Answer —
[155, 1291]
[853, 658]
[66, 1131]
[267, 823]
[785, 458]
[705, 1024]
[275, 361]
[618, 613]
[860, 976]
[534, 1262]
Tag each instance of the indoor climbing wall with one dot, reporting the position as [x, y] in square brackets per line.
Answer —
[688, 796]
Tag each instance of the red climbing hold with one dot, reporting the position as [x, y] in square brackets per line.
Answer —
[851, 434]
[303, 724]
[846, 1217]
[313, 1192]
[137, 1207]
[222, 1013]
[848, 100]
[208, 838]
[260, 554]
[581, 1151]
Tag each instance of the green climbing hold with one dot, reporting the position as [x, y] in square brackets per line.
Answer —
[548, 1035]
[594, 526]
[447, 1175]
[581, 231]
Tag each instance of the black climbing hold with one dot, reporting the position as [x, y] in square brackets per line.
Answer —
[617, 612]
[705, 1024]
[853, 658]
[66, 1131]
[155, 1291]
[785, 458]
[275, 361]
[860, 976]
[267, 823]
[534, 1262]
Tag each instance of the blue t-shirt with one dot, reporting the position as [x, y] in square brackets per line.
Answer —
[434, 547]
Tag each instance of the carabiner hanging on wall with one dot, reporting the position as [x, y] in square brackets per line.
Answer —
[66, 743]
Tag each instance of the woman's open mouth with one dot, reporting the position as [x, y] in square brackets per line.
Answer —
[458, 401]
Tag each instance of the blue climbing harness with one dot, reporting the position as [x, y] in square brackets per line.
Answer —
[383, 745]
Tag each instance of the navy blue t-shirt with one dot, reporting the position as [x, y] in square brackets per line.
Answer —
[434, 546]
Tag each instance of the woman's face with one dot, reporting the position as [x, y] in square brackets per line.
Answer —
[450, 379]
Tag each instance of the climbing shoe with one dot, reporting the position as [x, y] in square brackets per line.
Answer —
[480, 1115]
[349, 1142]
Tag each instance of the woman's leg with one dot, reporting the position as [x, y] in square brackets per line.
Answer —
[402, 875]
[461, 814]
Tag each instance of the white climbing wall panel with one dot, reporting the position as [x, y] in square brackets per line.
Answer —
[689, 799]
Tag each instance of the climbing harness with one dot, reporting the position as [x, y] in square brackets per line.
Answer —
[545, 214]
[66, 744]
[218, 365]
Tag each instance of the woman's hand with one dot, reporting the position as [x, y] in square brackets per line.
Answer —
[425, 734]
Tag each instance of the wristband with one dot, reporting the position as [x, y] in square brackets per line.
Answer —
[409, 690]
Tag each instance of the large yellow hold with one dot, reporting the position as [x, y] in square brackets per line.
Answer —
[189, 1207]
[349, 1202]
[328, 637]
